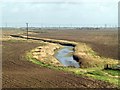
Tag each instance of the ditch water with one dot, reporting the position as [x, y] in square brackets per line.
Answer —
[65, 56]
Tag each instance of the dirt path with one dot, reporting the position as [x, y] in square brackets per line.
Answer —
[20, 73]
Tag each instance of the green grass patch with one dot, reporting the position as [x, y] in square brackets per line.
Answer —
[96, 73]
[113, 72]
[105, 78]
[100, 75]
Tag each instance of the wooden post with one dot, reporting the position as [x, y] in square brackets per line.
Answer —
[106, 67]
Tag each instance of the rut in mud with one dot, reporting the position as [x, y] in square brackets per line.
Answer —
[20, 73]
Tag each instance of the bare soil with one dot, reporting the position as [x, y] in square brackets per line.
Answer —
[20, 73]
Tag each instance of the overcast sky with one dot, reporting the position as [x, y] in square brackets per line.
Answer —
[59, 12]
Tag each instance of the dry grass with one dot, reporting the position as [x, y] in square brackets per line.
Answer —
[89, 58]
[45, 54]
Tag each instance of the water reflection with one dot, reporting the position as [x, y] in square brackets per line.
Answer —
[66, 58]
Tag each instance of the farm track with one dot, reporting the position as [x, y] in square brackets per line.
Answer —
[20, 73]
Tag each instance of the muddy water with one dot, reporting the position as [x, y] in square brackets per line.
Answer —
[66, 58]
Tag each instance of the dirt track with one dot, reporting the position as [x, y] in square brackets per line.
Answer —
[20, 73]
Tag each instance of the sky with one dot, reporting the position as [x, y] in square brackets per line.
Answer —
[59, 13]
